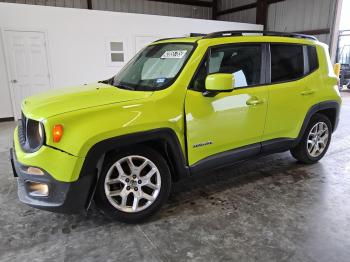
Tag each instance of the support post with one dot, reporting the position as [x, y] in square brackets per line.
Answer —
[261, 12]
[215, 10]
[89, 4]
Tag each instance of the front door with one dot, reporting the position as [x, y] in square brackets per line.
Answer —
[27, 65]
[228, 120]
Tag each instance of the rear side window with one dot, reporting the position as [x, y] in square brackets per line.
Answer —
[313, 61]
[287, 62]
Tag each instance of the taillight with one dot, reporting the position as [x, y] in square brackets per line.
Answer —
[57, 133]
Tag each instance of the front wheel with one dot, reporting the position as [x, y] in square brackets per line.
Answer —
[315, 141]
[133, 185]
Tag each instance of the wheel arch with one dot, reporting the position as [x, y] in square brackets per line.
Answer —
[331, 109]
[164, 140]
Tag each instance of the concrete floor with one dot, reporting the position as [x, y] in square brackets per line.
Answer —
[269, 209]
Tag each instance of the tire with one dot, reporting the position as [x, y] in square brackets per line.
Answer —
[124, 171]
[301, 151]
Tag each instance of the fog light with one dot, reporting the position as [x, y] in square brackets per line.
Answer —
[37, 189]
[33, 171]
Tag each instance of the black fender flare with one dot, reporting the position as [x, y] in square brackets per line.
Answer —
[166, 135]
[313, 110]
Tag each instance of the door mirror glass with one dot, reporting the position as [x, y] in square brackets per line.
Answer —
[220, 82]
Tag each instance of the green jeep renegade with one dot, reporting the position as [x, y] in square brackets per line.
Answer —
[181, 106]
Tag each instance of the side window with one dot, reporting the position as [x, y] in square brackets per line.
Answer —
[243, 61]
[287, 62]
[313, 60]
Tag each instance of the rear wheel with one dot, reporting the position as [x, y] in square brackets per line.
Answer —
[315, 141]
[133, 185]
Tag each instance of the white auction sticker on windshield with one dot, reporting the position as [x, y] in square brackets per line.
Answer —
[174, 54]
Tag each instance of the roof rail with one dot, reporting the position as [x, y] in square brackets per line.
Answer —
[266, 33]
[167, 38]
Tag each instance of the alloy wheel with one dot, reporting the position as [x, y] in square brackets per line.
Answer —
[317, 139]
[132, 183]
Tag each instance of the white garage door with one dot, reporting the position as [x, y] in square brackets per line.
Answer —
[27, 65]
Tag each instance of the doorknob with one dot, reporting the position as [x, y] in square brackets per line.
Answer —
[307, 92]
[14, 81]
[254, 101]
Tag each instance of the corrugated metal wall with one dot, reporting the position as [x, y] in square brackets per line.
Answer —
[246, 16]
[289, 16]
[301, 15]
[130, 6]
[154, 8]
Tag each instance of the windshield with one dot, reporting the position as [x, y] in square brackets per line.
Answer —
[154, 68]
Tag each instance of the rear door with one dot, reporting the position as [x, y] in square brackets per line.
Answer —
[292, 90]
[228, 120]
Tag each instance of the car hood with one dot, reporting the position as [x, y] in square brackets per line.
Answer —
[70, 99]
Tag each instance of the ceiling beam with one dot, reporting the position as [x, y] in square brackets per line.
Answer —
[245, 7]
[187, 2]
[237, 9]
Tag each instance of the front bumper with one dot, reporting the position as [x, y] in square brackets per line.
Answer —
[63, 197]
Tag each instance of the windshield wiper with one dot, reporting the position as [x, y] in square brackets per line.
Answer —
[107, 81]
[123, 86]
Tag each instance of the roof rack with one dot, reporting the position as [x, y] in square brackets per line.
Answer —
[167, 38]
[266, 33]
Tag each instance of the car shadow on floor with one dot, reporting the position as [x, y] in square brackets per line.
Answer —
[206, 189]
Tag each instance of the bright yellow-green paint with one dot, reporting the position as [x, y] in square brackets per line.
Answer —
[61, 166]
[226, 121]
[244, 116]
[219, 82]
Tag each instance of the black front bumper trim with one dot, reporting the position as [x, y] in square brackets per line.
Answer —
[64, 197]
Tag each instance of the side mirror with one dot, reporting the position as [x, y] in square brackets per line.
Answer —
[219, 82]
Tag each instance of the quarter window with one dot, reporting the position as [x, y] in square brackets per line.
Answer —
[287, 62]
[313, 61]
[242, 61]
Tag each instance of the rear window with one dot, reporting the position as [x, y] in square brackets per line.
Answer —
[287, 62]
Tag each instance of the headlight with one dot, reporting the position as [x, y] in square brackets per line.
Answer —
[31, 134]
[35, 134]
[41, 130]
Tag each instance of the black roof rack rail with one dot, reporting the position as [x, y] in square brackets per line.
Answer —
[168, 38]
[266, 33]
[197, 34]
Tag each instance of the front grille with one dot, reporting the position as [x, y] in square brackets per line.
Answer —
[29, 135]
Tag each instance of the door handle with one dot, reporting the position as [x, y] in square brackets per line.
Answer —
[14, 81]
[307, 92]
[254, 101]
